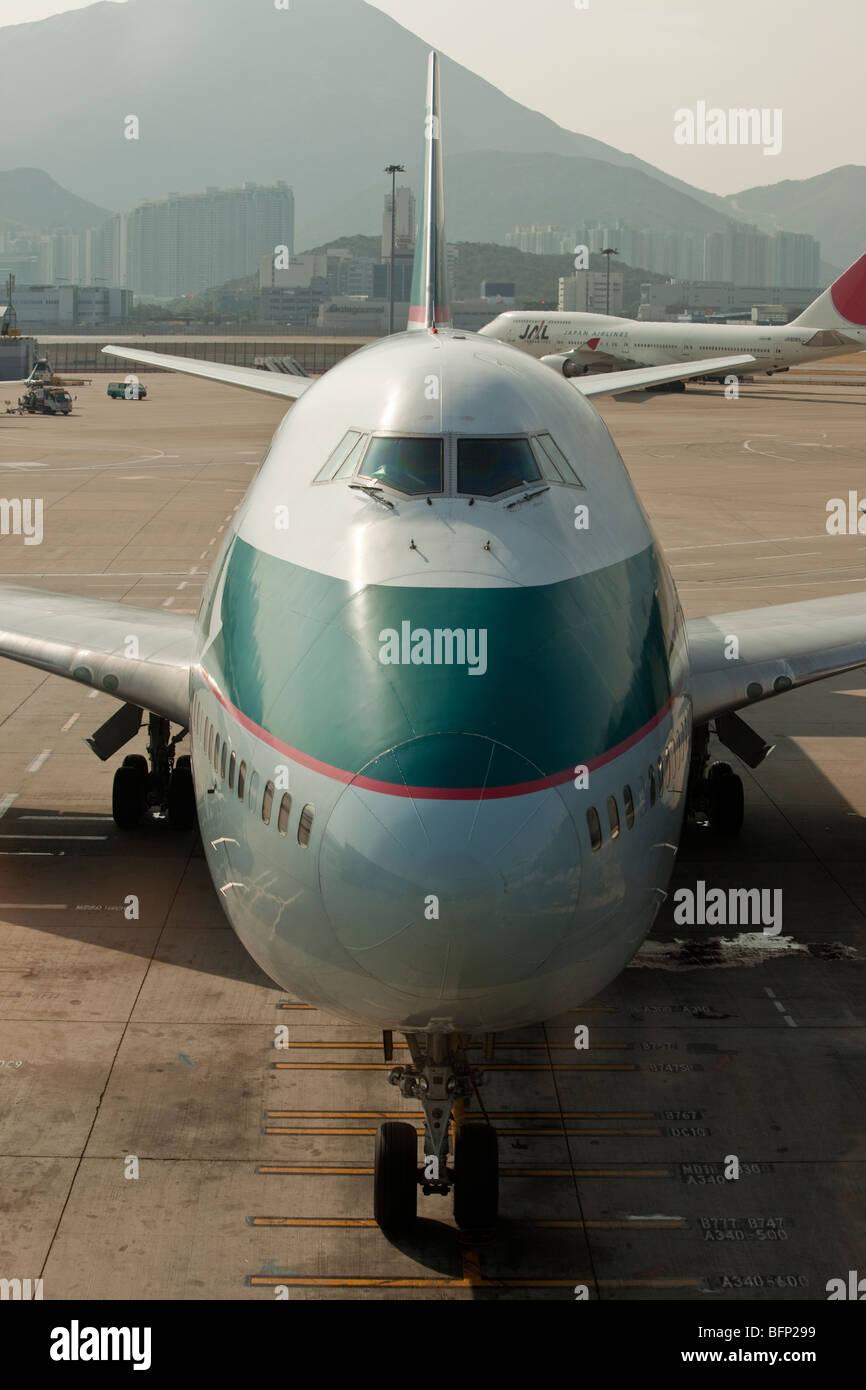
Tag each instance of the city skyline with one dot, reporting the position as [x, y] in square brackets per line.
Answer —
[572, 51]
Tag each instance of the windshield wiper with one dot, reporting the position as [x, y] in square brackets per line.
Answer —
[527, 497]
[373, 491]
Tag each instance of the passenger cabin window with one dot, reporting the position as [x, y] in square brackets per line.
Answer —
[613, 816]
[594, 825]
[555, 467]
[267, 802]
[413, 466]
[223, 761]
[242, 780]
[233, 762]
[285, 812]
[254, 791]
[628, 802]
[344, 459]
[486, 467]
[216, 754]
[305, 826]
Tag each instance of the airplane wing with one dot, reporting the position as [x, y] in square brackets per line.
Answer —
[250, 378]
[777, 649]
[612, 383]
[139, 656]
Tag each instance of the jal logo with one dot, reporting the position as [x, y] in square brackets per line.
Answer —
[535, 333]
[854, 1288]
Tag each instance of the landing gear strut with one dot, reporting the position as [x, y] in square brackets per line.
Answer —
[440, 1079]
[158, 782]
[715, 796]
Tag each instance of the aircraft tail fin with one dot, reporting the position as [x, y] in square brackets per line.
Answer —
[841, 306]
[429, 308]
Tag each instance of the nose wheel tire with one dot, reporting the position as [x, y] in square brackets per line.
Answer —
[129, 795]
[476, 1177]
[725, 795]
[395, 1185]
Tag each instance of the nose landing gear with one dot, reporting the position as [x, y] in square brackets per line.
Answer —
[440, 1079]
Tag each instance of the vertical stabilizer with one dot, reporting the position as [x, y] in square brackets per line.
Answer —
[842, 306]
[429, 308]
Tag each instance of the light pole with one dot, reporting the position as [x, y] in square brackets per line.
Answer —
[609, 251]
[393, 170]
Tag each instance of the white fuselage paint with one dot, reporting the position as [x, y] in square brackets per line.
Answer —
[316, 932]
[626, 343]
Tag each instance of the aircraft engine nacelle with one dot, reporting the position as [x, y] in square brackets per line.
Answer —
[566, 363]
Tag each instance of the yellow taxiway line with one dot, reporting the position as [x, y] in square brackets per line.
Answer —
[492, 1114]
[295, 1170]
[291, 1131]
[488, 1066]
[649, 1223]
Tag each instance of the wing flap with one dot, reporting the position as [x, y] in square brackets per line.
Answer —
[777, 649]
[248, 378]
[138, 656]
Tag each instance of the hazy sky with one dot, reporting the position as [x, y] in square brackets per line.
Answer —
[619, 69]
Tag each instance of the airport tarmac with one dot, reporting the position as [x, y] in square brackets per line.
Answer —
[154, 1144]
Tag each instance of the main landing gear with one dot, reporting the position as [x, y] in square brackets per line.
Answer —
[159, 782]
[440, 1079]
[715, 791]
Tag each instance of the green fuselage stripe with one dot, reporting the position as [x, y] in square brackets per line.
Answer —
[565, 672]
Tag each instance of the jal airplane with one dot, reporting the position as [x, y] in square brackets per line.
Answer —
[576, 344]
[444, 727]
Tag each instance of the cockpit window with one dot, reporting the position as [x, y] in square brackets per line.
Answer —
[412, 465]
[486, 467]
[345, 458]
[555, 467]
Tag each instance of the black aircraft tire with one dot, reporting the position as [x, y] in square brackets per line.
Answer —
[395, 1184]
[181, 798]
[128, 797]
[476, 1177]
[726, 807]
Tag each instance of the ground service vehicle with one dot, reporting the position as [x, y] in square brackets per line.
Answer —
[42, 399]
[126, 390]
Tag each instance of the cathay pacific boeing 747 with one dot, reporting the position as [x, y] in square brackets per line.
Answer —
[443, 714]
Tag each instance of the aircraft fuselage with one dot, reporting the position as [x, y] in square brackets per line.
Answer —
[411, 845]
[599, 341]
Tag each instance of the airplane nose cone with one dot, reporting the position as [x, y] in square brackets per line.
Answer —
[445, 894]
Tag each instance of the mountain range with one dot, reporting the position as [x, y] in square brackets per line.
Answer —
[324, 94]
[31, 198]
